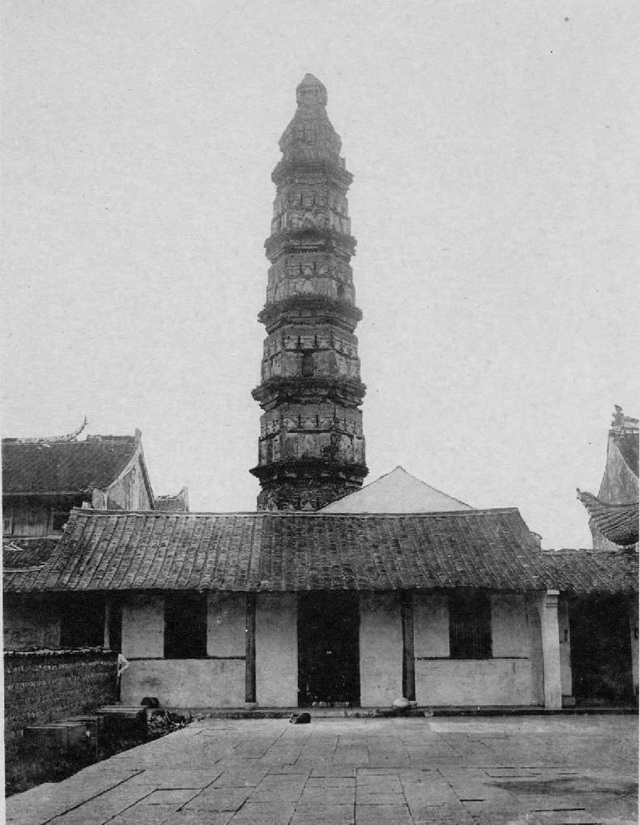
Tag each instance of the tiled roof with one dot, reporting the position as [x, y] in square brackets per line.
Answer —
[105, 550]
[617, 522]
[593, 571]
[64, 466]
[24, 554]
[178, 503]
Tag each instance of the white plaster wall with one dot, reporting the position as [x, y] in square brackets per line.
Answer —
[380, 649]
[143, 627]
[503, 680]
[226, 635]
[459, 682]
[431, 624]
[185, 683]
[277, 650]
[565, 647]
[116, 497]
[509, 635]
[129, 492]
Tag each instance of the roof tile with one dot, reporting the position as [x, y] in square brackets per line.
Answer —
[102, 550]
[493, 549]
[579, 572]
[44, 467]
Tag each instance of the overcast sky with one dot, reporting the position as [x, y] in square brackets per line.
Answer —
[495, 203]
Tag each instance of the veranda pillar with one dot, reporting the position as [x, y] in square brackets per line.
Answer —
[548, 608]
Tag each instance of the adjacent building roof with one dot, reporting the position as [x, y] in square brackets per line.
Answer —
[26, 554]
[624, 434]
[617, 522]
[620, 480]
[627, 445]
[178, 503]
[396, 492]
[613, 513]
[107, 550]
[45, 467]
[579, 572]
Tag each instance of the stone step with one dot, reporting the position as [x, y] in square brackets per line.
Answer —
[121, 720]
[65, 736]
[122, 711]
[365, 713]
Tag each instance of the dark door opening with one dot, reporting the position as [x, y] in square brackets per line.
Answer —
[601, 651]
[328, 649]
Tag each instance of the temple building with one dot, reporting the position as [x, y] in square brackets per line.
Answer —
[613, 513]
[311, 448]
[372, 593]
[44, 478]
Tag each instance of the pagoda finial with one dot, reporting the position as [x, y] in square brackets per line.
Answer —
[311, 92]
[310, 135]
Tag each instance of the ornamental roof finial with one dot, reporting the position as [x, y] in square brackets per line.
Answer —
[311, 92]
[310, 137]
[623, 423]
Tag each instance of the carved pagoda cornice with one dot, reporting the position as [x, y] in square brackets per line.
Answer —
[311, 468]
[314, 390]
[311, 309]
[289, 170]
[309, 240]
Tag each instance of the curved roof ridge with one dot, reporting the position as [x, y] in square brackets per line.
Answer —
[53, 439]
[470, 513]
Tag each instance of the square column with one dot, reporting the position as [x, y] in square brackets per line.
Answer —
[551, 663]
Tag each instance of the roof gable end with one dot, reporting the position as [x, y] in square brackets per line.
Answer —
[396, 492]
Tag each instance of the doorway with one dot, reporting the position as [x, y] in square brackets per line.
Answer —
[601, 651]
[328, 649]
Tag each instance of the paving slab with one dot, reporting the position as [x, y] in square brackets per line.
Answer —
[219, 800]
[533, 770]
[329, 815]
[41, 804]
[152, 815]
[195, 818]
[106, 805]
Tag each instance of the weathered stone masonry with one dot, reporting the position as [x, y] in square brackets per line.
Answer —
[44, 685]
[311, 447]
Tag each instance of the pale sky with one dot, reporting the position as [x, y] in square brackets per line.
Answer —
[495, 203]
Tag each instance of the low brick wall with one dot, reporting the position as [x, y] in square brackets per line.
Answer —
[49, 685]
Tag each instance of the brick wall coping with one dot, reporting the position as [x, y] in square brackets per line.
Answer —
[78, 652]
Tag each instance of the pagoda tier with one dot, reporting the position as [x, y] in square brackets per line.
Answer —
[311, 448]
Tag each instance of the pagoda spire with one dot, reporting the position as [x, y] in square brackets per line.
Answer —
[311, 446]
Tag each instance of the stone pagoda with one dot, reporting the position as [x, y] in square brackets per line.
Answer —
[311, 448]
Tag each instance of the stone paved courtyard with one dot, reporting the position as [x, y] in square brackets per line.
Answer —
[526, 770]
